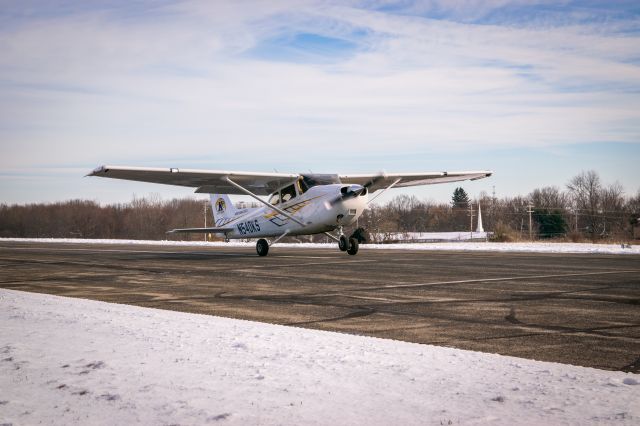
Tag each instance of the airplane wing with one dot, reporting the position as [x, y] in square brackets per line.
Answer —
[206, 181]
[213, 181]
[383, 180]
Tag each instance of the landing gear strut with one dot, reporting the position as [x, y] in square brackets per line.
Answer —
[262, 246]
[350, 245]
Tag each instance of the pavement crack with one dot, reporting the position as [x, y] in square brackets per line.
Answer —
[363, 311]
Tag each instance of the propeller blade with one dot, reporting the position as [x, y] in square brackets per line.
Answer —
[376, 179]
[352, 194]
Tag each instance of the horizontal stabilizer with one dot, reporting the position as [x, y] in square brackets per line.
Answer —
[212, 230]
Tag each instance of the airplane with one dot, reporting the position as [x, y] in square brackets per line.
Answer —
[296, 204]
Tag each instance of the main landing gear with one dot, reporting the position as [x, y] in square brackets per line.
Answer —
[350, 245]
[262, 247]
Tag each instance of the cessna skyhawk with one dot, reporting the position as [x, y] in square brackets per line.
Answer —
[297, 204]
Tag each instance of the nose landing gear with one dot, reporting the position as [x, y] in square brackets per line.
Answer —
[350, 245]
[353, 246]
[343, 243]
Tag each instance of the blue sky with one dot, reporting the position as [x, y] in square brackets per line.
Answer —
[535, 90]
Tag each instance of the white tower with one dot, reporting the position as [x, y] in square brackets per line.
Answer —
[479, 228]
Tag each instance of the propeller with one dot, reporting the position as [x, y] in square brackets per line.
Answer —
[354, 191]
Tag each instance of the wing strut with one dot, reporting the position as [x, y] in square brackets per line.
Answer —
[251, 194]
[383, 191]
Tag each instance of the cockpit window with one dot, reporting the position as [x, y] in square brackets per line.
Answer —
[288, 193]
[274, 199]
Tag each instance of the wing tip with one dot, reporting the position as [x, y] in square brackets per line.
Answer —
[483, 175]
[98, 171]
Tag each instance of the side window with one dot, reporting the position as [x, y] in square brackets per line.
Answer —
[274, 199]
[288, 193]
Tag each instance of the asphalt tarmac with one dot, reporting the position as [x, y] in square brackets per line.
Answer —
[568, 308]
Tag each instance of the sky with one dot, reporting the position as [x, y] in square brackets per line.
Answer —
[536, 91]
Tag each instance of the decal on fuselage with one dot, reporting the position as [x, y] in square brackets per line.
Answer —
[280, 220]
[248, 227]
[226, 220]
[221, 206]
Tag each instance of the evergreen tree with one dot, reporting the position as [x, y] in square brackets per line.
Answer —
[551, 223]
[460, 199]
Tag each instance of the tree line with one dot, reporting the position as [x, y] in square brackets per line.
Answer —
[584, 209]
[146, 218]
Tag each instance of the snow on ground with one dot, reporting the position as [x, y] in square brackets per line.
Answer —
[536, 247]
[74, 361]
[417, 236]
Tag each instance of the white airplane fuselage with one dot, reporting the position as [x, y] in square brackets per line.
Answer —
[321, 209]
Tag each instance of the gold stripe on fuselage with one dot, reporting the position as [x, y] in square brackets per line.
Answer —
[291, 209]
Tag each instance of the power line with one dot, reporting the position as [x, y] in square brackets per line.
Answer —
[471, 219]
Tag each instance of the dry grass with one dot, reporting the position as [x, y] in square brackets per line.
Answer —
[504, 234]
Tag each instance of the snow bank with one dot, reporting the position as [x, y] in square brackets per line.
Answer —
[74, 361]
[430, 236]
[535, 247]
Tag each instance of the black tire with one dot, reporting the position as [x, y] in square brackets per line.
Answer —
[343, 244]
[353, 246]
[262, 247]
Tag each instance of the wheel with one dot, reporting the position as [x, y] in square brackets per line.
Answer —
[353, 246]
[262, 247]
[343, 244]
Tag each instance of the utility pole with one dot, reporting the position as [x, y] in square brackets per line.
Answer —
[205, 219]
[530, 230]
[471, 220]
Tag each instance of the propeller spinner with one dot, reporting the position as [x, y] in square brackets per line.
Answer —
[354, 191]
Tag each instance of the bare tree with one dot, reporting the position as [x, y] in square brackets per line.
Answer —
[612, 210]
[586, 192]
[549, 197]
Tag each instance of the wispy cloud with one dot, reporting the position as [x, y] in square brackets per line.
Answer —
[136, 82]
